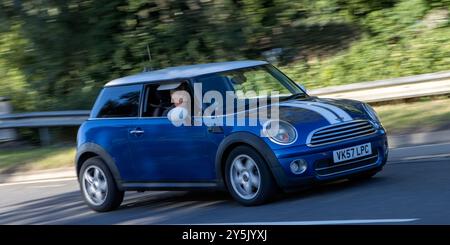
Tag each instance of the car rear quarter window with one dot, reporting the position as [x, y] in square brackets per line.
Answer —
[120, 101]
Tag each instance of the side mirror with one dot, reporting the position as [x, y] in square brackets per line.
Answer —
[178, 116]
[303, 87]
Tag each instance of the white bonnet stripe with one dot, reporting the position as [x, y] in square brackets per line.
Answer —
[341, 113]
[330, 117]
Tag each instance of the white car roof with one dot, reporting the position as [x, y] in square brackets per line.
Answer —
[184, 72]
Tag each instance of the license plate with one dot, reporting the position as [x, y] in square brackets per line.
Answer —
[352, 152]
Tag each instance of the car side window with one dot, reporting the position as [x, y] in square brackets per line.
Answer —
[120, 101]
[158, 99]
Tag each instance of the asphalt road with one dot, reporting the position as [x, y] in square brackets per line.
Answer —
[413, 188]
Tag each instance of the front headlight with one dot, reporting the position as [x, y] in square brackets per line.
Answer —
[371, 112]
[280, 132]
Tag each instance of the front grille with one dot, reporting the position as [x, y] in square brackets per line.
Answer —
[326, 167]
[340, 132]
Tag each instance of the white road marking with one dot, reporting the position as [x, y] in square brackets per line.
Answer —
[46, 186]
[38, 181]
[419, 146]
[419, 152]
[426, 157]
[320, 222]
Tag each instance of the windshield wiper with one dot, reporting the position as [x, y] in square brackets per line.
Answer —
[296, 96]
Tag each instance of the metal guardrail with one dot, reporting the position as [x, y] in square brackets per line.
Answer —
[375, 91]
[43, 119]
[391, 89]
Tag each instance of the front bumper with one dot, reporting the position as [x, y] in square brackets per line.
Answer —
[320, 162]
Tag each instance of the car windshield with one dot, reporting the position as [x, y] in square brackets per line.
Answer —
[261, 81]
[249, 85]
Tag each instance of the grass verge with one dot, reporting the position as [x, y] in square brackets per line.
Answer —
[35, 158]
[421, 116]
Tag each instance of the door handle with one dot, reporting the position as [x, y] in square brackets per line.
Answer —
[137, 131]
[215, 129]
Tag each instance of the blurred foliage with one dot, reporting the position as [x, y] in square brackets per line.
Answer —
[395, 42]
[56, 55]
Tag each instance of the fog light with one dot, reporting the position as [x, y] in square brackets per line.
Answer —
[298, 166]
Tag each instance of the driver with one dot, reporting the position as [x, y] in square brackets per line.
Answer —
[179, 98]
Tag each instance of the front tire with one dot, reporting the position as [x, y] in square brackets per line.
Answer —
[248, 177]
[98, 186]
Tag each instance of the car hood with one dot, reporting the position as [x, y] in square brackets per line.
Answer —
[309, 114]
[312, 113]
[321, 111]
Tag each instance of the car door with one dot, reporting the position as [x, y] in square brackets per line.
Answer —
[163, 152]
[114, 111]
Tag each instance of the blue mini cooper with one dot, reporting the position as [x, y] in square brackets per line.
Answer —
[166, 130]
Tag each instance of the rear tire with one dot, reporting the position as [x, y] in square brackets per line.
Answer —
[98, 186]
[248, 177]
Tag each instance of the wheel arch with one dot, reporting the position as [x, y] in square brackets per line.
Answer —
[242, 138]
[89, 150]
